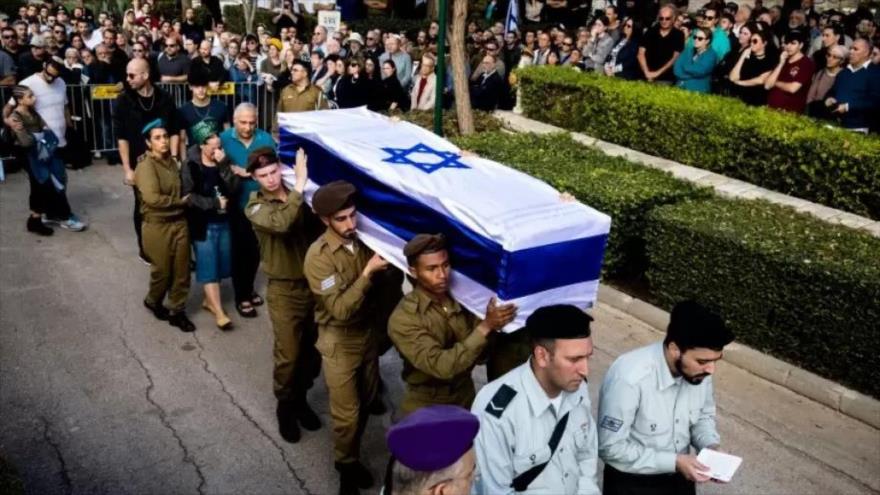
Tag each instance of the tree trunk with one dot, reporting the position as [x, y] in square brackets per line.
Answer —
[459, 67]
[249, 9]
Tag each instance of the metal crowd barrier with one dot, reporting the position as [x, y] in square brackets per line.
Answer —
[92, 107]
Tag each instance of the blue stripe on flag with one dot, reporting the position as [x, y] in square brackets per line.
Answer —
[509, 274]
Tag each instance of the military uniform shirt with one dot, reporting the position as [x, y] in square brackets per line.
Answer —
[647, 417]
[335, 276]
[281, 233]
[438, 345]
[158, 181]
[515, 431]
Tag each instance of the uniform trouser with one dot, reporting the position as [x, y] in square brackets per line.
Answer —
[619, 483]
[297, 362]
[245, 255]
[416, 397]
[166, 244]
[351, 370]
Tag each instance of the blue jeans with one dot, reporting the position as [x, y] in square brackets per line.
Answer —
[214, 254]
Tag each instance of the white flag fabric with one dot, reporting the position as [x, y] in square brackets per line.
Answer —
[511, 20]
[508, 233]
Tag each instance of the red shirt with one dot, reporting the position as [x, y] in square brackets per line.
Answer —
[800, 71]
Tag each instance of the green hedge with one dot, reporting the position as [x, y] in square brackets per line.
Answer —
[788, 284]
[624, 190]
[483, 121]
[783, 152]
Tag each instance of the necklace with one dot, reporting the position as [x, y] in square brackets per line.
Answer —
[152, 102]
[202, 116]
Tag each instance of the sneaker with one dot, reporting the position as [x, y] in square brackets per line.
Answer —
[37, 226]
[72, 224]
[97, 155]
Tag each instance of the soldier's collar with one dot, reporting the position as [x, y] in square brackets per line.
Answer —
[538, 400]
[334, 240]
[424, 301]
[664, 375]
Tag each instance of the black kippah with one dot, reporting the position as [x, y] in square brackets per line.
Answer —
[693, 325]
[559, 321]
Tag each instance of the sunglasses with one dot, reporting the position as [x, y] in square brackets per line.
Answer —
[131, 76]
[709, 17]
[171, 46]
[8, 37]
[755, 41]
[665, 18]
[700, 38]
[136, 50]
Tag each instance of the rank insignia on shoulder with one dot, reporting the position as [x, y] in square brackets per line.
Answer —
[500, 401]
[610, 423]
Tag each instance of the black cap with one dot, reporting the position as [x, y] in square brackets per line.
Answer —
[693, 325]
[332, 197]
[559, 321]
[261, 157]
[424, 243]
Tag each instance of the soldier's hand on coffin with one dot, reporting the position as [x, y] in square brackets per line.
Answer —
[376, 264]
[499, 315]
[301, 170]
[566, 197]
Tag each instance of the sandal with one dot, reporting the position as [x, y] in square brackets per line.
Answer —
[246, 309]
[256, 300]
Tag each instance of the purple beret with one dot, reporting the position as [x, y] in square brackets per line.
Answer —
[433, 437]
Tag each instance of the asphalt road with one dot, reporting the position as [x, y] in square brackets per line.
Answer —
[98, 397]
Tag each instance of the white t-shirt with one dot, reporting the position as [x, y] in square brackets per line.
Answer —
[51, 101]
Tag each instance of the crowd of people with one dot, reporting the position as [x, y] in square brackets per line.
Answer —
[206, 185]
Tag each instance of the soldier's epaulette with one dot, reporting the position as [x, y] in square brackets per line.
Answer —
[500, 401]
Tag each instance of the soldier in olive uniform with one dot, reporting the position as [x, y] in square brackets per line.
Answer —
[439, 340]
[300, 95]
[340, 269]
[165, 234]
[281, 225]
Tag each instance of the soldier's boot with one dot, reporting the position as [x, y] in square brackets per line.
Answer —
[180, 321]
[354, 473]
[306, 415]
[287, 425]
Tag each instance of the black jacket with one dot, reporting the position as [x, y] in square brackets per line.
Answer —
[203, 199]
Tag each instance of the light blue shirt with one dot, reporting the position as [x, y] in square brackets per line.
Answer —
[517, 441]
[647, 417]
[238, 154]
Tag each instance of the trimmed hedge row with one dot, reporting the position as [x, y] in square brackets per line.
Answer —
[787, 283]
[483, 121]
[624, 190]
[783, 152]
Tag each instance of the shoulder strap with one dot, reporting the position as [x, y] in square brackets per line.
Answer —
[500, 401]
[521, 483]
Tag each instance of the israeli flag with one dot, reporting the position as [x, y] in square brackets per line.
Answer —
[511, 21]
[508, 233]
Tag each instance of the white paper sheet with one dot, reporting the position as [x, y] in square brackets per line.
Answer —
[721, 466]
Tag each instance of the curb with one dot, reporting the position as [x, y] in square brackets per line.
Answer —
[722, 185]
[843, 400]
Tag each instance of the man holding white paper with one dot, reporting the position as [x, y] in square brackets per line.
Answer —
[658, 401]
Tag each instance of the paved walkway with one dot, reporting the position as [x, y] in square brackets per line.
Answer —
[97, 397]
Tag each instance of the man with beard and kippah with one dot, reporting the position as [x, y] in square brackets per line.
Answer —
[658, 401]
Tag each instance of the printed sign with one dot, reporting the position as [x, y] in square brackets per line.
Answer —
[105, 91]
[330, 19]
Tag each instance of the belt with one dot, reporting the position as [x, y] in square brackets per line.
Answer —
[172, 219]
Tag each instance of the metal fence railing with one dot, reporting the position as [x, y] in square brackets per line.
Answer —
[92, 108]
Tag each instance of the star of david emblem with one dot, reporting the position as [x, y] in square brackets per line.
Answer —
[402, 156]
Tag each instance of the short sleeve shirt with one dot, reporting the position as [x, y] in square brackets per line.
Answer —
[215, 114]
[801, 72]
[659, 49]
[51, 101]
[177, 66]
[753, 67]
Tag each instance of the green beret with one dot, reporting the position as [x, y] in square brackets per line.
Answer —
[332, 197]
